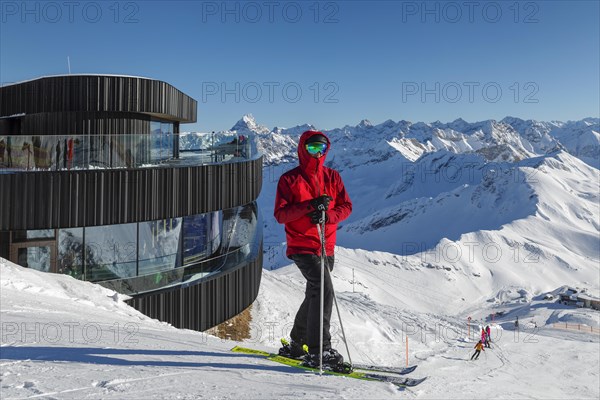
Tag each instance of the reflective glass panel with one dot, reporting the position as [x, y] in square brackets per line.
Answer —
[110, 252]
[37, 258]
[23, 236]
[161, 138]
[195, 243]
[159, 245]
[70, 252]
[202, 236]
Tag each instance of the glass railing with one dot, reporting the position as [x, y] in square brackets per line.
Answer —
[188, 275]
[241, 244]
[86, 152]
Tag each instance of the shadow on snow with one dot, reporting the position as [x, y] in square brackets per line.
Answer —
[94, 355]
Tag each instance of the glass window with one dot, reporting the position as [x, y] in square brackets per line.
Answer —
[35, 257]
[161, 134]
[70, 252]
[142, 146]
[202, 236]
[99, 151]
[122, 151]
[167, 131]
[214, 232]
[195, 240]
[159, 245]
[110, 252]
[22, 236]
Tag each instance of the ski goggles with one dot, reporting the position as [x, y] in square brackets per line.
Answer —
[316, 148]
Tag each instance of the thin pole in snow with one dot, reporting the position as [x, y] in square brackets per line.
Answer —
[469, 327]
[407, 350]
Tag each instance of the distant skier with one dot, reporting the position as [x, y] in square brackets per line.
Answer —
[301, 193]
[478, 349]
[517, 324]
[483, 336]
[488, 333]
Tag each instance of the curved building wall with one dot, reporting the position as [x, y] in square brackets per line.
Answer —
[64, 199]
[87, 156]
[96, 94]
[84, 122]
[205, 304]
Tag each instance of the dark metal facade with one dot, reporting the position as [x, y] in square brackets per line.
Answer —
[117, 105]
[73, 104]
[82, 123]
[205, 304]
[55, 199]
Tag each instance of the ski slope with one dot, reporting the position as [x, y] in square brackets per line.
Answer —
[390, 302]
[451, 221]
[63, 338]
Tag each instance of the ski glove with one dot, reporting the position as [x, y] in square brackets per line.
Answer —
[321, 202]
[315, 217]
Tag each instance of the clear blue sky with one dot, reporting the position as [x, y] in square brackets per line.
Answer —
[419, 61]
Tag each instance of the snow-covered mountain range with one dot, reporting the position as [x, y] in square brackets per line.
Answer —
[454, 226]
[458, 219]
[481, 202]
[421, 190]
[511, 139]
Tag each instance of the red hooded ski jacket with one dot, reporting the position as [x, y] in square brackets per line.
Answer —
[292, 202]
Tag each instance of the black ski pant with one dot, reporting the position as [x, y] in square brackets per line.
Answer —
[307, 321]
[476, 354]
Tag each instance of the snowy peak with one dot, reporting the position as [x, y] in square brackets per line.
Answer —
[295, 131]
[458, 124]
[248, 124]
[364, 124]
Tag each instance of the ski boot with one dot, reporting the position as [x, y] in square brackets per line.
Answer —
[332, 361]
[292, 349]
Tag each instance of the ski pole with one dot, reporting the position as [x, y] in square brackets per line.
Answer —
[321, 312]
[337, 308]
[340, 319]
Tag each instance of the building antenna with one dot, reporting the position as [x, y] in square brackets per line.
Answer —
[69, 64]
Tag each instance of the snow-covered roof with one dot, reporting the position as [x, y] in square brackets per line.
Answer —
[587, 297]
[567, 290]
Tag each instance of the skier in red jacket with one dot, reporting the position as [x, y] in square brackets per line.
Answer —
[300, 193]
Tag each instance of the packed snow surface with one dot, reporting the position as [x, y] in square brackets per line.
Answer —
[67, 339]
